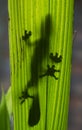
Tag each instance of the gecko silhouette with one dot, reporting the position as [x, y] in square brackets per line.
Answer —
[55, 58]
[40, 52]
[50, 72]
[26, 35]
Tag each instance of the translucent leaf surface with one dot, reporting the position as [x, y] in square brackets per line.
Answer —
[9, 101]
[4, 116]
[39, 30]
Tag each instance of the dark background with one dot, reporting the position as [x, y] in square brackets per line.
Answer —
[75, 108]
[4, 46]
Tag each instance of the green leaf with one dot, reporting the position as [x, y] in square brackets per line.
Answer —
[51, 26]
[4, 116]
[9, 101]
